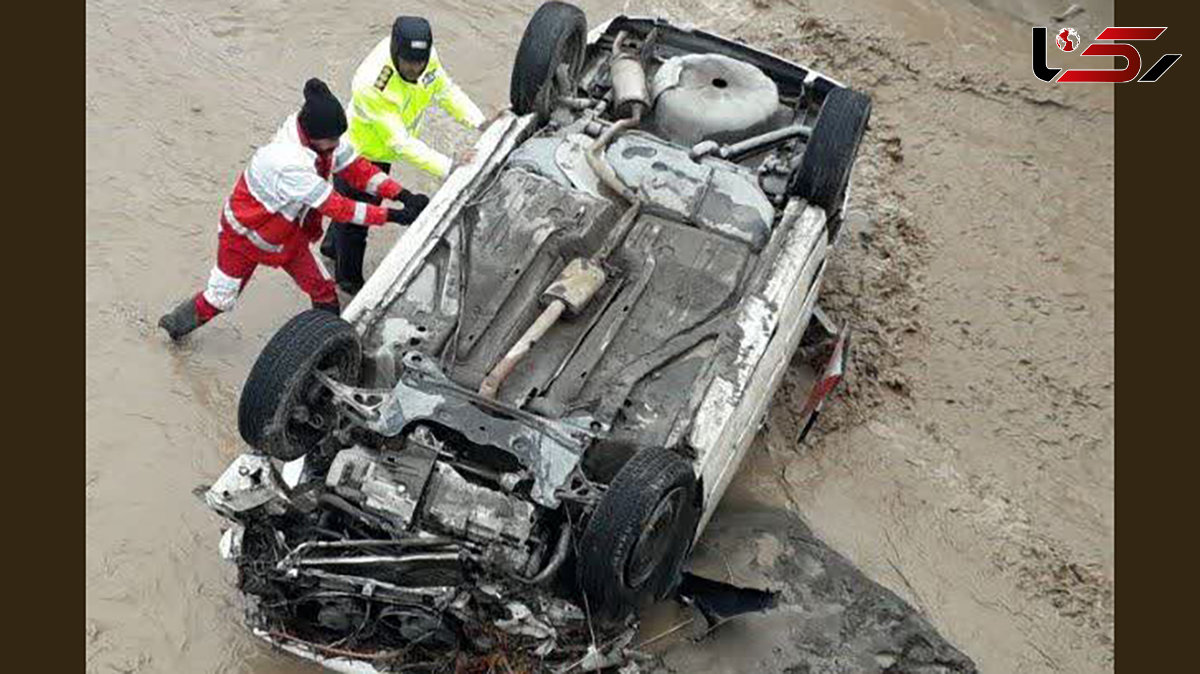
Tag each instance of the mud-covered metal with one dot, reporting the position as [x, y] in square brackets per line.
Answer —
[550, 449]
[455, 505]
[629, 85]
[711, 194]
[249, 482]
[713, 97]
[386, 482]
[577, 284]
[563, 304]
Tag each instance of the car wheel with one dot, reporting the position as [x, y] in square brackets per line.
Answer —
[285, 411]
[633, 547]
[824, 170]
[556, 35]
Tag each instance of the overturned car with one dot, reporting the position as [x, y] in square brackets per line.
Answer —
[516, 431]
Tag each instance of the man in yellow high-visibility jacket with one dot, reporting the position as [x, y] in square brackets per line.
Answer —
[391, 92]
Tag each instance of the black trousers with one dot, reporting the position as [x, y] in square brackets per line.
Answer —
[348, 241]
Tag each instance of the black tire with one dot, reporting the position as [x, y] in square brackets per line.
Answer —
[633, 548]
[824, 170]
[282, 378]
[556, 34]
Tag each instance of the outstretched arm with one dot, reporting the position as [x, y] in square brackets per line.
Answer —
[304, 185]
[366, 177]
[455, 101]
[343, 209]
[370, 105]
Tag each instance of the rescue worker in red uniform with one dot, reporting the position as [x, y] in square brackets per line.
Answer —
[278, 205]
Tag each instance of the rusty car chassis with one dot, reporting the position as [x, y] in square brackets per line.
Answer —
[513, 435]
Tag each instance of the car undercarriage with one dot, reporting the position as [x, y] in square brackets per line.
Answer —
[514, 435]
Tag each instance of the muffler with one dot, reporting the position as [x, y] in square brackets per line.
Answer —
[628, 85]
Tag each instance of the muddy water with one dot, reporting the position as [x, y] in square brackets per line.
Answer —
[178, 94]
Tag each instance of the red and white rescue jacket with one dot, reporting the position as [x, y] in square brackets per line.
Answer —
[277, 203]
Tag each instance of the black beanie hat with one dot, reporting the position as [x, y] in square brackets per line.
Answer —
[322, 116]
[412, 38]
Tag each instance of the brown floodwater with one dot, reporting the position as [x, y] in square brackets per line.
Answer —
[178, 94]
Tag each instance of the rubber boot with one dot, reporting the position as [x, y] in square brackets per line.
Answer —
[181, 320]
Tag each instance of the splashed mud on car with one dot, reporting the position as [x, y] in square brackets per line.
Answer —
[509, 442]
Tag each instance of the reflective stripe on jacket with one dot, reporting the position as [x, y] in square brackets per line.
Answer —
[278, 201]
[386, 113]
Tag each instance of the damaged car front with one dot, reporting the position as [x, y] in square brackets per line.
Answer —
[330, 565]
[512, 437]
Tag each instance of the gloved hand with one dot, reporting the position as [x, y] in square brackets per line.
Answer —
[412, 201]
[413, 205]
[464, 156]
[401, 216]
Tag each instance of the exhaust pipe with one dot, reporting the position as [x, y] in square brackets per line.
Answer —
[582, 278]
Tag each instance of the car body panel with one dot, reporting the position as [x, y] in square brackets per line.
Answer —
[700, 306]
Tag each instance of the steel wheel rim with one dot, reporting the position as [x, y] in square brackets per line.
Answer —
[318, 399]
[654, 542]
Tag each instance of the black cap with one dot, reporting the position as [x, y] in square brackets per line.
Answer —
[322, 116]
[412, 38]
